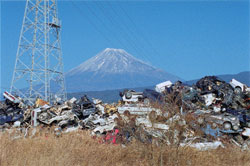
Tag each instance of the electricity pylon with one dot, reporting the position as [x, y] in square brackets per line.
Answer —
[38, 69]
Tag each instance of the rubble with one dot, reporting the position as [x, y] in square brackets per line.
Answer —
[174, 113]
[239, 87]
[163, 86]
[206, 145]
[40, 102]
[130, 96]
[246, 132]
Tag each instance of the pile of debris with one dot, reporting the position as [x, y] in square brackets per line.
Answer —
[206, 115]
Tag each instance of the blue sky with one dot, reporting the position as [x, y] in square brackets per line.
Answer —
[190, 39]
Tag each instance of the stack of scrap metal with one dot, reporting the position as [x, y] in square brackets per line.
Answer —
[174, 113]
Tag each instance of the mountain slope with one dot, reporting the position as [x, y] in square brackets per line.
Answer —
[114, 69]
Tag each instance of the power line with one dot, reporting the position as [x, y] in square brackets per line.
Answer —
[112, 20]
[129, 33]
[130, 37]
[105, 26]
[92, 23]
[134, 34]
[115, 23]
[138, 31]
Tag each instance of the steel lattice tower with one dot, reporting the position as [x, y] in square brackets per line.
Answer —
[39, 68]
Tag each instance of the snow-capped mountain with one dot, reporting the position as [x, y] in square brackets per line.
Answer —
[114, 69]
[112, 61]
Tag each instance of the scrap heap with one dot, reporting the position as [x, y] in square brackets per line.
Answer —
[208, 114]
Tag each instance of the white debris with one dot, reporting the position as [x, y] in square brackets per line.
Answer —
[205, 146]
[131, 96]
[216, 108]
[70, 129]
[17, 124]
[146, 123]
[72, 100]
[234, 83]
[137, 109]
[101, 108]
[102, 129]
[209, 99]
[97, 101]
[10, 97]
[160, 126]
[34, 116]
[161, 87]
[246, 132]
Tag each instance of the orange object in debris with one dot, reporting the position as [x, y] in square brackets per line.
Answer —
[40, 102]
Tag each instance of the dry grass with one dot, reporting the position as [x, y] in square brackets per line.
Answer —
[78, 148]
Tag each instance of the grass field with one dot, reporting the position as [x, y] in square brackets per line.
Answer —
[79, 148]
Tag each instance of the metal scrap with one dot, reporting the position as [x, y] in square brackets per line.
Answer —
[175, 114]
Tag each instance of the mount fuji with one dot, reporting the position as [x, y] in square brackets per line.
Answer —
[114, 69]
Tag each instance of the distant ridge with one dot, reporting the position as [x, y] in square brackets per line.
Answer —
[243, 77]
[110, 96]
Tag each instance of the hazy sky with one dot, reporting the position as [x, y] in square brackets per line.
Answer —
[190, 39]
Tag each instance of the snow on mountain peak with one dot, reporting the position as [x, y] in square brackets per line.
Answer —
[114, 69]
[114, 50]
[112, 60]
